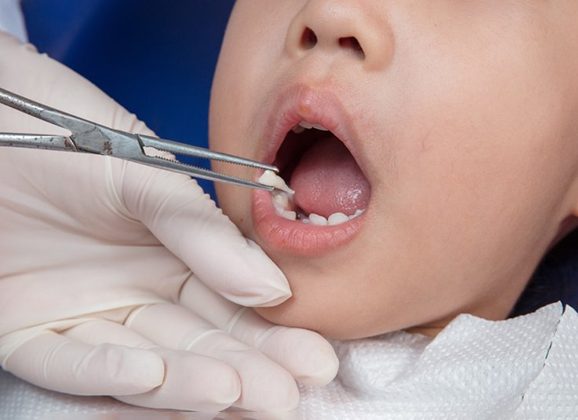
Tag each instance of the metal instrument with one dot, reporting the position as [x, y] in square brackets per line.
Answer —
[91, 137]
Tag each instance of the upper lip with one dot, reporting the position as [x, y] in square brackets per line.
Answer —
[315, 106]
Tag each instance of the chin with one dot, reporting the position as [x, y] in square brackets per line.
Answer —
[328, 302]
[292, 314]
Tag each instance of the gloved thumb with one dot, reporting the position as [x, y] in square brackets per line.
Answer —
[185, 219]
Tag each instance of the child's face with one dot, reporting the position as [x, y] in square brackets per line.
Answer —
[461, 121]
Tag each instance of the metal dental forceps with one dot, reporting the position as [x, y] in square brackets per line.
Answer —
[90, 137]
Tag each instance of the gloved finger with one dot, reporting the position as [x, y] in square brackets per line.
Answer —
[104, 331]
[305, 354]
[265, 385]
[177, 211]
[55, 362]
[191, 382]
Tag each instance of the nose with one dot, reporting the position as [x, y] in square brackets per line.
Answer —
[357, 28]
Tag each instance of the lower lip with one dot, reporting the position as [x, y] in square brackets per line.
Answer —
[296, 237]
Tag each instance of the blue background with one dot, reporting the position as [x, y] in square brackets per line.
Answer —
[156, 58]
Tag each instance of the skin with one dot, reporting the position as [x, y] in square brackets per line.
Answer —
[466, 112]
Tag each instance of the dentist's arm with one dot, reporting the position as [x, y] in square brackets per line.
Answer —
[118, 279]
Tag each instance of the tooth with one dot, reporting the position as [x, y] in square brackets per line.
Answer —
[289, 215]
[281, 199]
[357, 213]
[308, 126]
[317, 220]
[298, 129]
[271, 179]
[337, 219]
[278, 209]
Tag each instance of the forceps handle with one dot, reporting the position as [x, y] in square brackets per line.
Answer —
[37, 141]
[44, 112]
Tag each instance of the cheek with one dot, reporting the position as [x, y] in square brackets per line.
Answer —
[239, 79]
[480, 162]
[253, 44]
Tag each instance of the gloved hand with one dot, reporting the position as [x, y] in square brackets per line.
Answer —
[119, 279]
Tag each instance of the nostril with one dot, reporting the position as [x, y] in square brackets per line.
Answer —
[308, 39]
[352, 44]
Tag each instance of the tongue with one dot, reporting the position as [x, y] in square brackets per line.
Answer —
[327, 180]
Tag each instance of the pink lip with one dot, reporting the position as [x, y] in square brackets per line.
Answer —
[301, 103]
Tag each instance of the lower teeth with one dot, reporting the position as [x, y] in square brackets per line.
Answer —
[282, 199]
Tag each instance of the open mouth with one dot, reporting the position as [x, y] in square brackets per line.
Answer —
[319, 182]
[321, 194]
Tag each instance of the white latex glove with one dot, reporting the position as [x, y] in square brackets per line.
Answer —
[118, 279]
